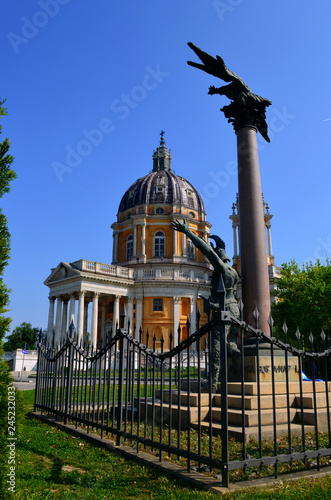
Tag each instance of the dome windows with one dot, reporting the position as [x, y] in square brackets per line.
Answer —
[191, 215]
[129, 247]
[190, 250]
[159, 244]
[159, 210]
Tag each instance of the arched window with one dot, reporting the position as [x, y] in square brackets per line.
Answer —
[129, 247]
[159, 244]
[190, 250]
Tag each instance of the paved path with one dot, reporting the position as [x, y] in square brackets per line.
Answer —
[26, 385]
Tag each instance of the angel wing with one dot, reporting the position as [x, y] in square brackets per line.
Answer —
[216, 67]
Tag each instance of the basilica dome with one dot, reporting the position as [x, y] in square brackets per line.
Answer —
[162, 187]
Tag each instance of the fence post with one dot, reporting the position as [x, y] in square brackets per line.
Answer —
[70, 371]
[224, 385]
[120, 390]
[36, 395]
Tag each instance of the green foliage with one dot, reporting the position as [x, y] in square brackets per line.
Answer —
[6, 176]
[304, 301]
[22, 334]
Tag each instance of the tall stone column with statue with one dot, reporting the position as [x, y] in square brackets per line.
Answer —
[247, 113]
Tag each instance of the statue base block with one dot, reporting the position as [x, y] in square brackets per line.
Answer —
[265, 368]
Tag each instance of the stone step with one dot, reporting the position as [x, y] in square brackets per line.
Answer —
[251, 402]
[251, 417]
[184, 399]
[280, 387]
[267, 431]
[186, 416]
[308, 400]
[309, 418]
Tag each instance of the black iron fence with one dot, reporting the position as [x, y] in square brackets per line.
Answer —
[266, 416]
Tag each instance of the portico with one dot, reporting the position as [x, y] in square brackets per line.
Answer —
[92, 295]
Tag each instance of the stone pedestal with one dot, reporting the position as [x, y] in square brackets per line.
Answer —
[265, 368]
[280, 366]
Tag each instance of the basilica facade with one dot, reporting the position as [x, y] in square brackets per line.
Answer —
[156, 273]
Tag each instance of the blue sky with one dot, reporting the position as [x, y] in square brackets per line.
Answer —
[89, 88]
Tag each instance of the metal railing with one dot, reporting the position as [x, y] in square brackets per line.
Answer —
[163, 401]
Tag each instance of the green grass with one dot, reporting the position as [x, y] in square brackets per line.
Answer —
[54, 464]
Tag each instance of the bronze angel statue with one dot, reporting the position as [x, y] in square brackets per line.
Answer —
[246, 108]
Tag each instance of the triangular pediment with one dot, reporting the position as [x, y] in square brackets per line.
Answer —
[62, 272]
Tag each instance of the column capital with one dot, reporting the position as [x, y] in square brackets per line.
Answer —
[52, 298]
[96, 294]
[176, 300]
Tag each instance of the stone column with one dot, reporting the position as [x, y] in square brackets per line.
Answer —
[64, 326]
[80, 320]
[184, 245]
[176, 320]
[129, 313]
[58, 322]
[269, 240]
[253, 252]
[139, 308]
[50, 326]
[235, 245]
[94, 322]
[175, 249]
[193, 320]
[205, 237]
[135, 240]
[143, 239]
[86, 303]
[72, 308]
[103, 319]
[115, 246]
[116, 314]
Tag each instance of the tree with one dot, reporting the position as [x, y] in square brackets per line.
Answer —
[6, 176]
[23, 334]
[303, 301]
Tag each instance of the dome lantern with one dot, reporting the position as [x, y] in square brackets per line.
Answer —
[162, 156]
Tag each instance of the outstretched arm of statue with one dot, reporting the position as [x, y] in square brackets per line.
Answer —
[199, 243]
